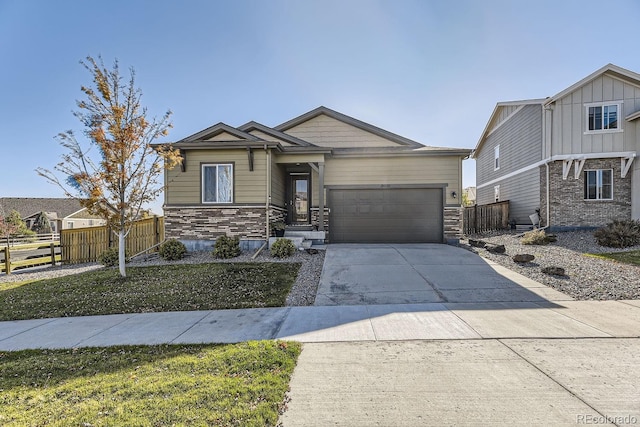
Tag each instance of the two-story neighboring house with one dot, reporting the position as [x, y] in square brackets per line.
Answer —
[570, 156]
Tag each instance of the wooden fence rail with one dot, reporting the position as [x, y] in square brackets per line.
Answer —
[481, 218]
[29, 255]
[81, 245]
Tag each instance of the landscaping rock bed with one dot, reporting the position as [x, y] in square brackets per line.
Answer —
[303, 291]
[586, 277]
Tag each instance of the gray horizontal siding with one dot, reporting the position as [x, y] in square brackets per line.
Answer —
[522, 191]
[520, 140]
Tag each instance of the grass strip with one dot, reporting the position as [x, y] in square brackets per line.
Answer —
[197, 385]
[181, 287]
[628, 257]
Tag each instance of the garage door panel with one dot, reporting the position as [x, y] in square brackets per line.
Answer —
[392, 215]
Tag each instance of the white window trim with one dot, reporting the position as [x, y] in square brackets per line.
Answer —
[496, 157]
[602, 104]
[612, 184]
[496, 193]
[202, 187]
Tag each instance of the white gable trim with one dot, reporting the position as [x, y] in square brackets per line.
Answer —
[626, 156]
[506, 119]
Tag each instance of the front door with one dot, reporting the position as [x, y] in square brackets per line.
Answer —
[299, 199]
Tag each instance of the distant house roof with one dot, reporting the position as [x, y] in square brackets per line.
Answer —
[28, 206]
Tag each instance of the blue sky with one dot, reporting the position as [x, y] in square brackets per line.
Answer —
[428, 70]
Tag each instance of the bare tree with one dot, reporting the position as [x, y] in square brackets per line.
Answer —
[123, 174]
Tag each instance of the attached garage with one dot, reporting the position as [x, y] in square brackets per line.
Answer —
[386, 215]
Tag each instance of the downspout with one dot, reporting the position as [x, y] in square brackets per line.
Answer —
[548, 141]
[268, 191]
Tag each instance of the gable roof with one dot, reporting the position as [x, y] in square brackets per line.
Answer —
[28, 206]
[218, 129]
[350, 121]
[489, 127]
[241, 137]
[610, 69]
[248, 127]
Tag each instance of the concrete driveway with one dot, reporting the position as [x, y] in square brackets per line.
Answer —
[369, 274]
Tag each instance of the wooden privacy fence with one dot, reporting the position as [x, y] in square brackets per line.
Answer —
[481, 218]
[86, 244]
[29, 255]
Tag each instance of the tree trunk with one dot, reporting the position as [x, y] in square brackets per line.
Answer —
[121, 259]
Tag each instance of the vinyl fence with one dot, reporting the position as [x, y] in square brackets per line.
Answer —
[81, 245]
[481, 218]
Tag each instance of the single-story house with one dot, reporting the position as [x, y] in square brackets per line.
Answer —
[344, 179]
[63, 213]
[570, 156]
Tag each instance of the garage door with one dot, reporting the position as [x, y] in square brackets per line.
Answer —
[388, 215]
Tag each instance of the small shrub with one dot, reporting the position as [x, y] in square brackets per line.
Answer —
[619, 234]
[109, 258]
[227, 247]
[535, 237]
[282, 248]
[172, 250]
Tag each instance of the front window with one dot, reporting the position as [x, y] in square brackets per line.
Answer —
[217, 183]
[602, 117]
[598, 184]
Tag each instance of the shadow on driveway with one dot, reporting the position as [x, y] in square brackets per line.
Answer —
[371, 274]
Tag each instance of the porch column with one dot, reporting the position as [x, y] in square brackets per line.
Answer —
[321, 196]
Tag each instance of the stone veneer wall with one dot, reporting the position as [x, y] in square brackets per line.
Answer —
[315, 219]
[277, 214]
[569, 209]
[209, 222]
[452, 223]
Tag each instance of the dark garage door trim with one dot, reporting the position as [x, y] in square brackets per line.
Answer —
[330, 198]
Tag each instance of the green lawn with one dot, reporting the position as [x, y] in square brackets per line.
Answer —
[196, 385]
[180, 287]
[629, 257]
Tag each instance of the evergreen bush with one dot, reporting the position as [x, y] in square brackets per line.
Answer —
[227, 247]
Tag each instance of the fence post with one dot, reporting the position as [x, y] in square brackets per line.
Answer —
[7, 260]
[53, 254]
[475, 218]
[156, 232]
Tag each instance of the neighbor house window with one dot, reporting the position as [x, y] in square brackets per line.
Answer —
[496, 193]
[602, 117]
[217, 183]
[598, 184]
[496, 158]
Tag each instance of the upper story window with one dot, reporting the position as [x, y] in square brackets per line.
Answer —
[603, 117]
[598, 184]
[217, 183]
[496, 158]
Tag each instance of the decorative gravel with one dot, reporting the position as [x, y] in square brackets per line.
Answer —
[303, 291]
[586, 277]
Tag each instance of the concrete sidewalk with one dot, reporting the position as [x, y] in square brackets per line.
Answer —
[548, 382]
[391, 322]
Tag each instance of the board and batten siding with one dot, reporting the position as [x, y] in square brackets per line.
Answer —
[520, 140]
[395, 170]
[183, 188]
[569, 119]
[326, 131]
